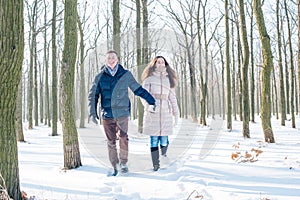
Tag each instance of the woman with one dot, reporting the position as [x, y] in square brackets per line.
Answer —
[160, 80]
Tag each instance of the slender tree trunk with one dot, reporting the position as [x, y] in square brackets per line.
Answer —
[70, 136]
[229, 119]
[185, 89]
[252, 69]
[18, 117]
[287, 73]
[281, 75]
[245, 88]
[82, 92]
[30, 85]
[116, 26]
[292, 66]
[41, 92]
[296, 95]
[234, 107]
[275, 94]
[223, 80]
[46, 63]
[140, 66]
[239, 76]
[11, 58]
[35, 81]
[266, 73]
[212, 89]
[204, 86]
[54, 74]
[299, 53]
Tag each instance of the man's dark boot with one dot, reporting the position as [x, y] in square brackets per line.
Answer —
[155, 158]
[164, 150]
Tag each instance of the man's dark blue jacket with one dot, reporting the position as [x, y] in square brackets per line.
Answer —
[113, 91]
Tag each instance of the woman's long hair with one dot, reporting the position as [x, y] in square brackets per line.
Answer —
[148, 71]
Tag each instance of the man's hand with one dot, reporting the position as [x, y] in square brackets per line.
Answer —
[94, 119]
[151, 108]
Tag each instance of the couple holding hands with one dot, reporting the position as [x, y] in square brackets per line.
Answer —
[157, 95]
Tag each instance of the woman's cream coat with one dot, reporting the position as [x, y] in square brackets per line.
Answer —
[160, 123]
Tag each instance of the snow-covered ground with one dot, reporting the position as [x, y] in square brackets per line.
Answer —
[203, 163]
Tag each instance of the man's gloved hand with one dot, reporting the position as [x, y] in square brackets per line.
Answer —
[152, 108]
[94, 119]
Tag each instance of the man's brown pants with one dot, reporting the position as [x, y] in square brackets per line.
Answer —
[116, 128]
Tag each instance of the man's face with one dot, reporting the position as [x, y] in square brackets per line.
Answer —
[111, 60]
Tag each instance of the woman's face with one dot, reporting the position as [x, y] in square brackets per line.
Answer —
[160, 63]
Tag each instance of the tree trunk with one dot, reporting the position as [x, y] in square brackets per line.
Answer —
[11, 58]
[204, 85]
[239, 75]
[223, 80]
[30, 85]
[281, 75]
[82, 93]
[18, 117]
[287, 78]
[35, 79]
[234, 107]
[252, 69]
[70, 136]
[140, 66]
[41, 92]
[299, 53]
[266, 73]
[46, 63]
[292, 66]
[54, 74]
[275, 96]
[116, 26]
[245, 88]
[229, 119]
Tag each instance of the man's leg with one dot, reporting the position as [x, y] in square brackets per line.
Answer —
[109, 126]
[122, 124]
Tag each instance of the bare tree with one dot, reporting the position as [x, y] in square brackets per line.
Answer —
[267, 68]
[54, 72]
[229, 106]
[185, 25]
[70, 136]
[46, 63]
[292, 65]
[281, 75]
[245, 90]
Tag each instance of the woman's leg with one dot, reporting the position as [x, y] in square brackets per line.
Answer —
[154, 152]
[164, 142]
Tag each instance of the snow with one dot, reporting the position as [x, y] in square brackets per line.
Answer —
[199, 165]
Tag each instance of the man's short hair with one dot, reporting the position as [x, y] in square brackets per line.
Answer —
[112, 51]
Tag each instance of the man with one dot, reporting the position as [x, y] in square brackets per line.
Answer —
[112, 84]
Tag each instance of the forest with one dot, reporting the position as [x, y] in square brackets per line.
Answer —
[234, 59]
